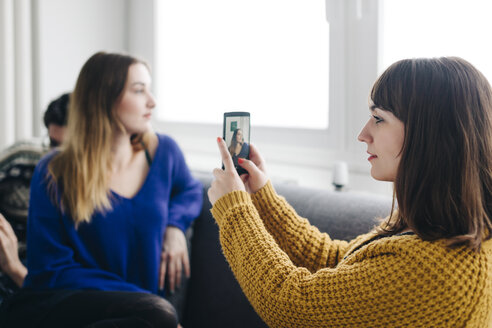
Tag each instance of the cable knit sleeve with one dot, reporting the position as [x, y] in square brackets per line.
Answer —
[398, 281]
[304, 244]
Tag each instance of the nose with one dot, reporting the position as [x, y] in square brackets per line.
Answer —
[151, 101]
[365, 135]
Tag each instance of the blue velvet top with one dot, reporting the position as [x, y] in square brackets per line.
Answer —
[120, 249]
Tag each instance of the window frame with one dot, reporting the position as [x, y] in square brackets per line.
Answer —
[353, 67]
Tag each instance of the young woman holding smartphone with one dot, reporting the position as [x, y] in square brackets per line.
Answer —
[429, 264]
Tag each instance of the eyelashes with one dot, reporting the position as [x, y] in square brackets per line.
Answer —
[377, 119]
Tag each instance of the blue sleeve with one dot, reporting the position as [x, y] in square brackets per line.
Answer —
[186, 193]
[50, 249]
[244, 153]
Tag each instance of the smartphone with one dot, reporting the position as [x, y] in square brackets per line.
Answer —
[236, 133]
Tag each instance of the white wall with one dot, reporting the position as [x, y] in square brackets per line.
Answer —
[67, 33]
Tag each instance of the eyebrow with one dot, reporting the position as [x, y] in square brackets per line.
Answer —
[138, 83]
[373, 107]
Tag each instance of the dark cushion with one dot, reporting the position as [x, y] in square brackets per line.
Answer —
[214, 298]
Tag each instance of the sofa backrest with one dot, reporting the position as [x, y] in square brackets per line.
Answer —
[214, 298]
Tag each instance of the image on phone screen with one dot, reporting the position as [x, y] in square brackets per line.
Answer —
[236, 133]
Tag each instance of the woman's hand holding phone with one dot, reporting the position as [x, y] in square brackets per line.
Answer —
[257, 177]
[228, 180]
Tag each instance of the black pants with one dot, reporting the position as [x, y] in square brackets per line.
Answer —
[86, 308]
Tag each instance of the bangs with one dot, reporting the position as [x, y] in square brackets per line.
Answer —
[392, 90]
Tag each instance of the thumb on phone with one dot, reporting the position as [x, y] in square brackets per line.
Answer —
[257, 178]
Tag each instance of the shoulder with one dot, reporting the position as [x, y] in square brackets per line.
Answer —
[46, 159]
[168, 153]
[424, 274]
[432, 260]
[161, 146]
[41, 169]
[167, 143]
[409, 245]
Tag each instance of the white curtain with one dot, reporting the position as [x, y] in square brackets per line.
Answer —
[16, 73]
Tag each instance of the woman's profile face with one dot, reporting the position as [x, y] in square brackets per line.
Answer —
[384, 135]
[239, 136]
[135, 107]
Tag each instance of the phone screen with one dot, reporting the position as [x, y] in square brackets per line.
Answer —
[236, 133]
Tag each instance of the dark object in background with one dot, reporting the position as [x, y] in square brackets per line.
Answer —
[17, 164]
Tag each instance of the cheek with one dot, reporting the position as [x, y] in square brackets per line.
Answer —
[399, 139]
[127, 110]
[396, 150]
[394, 142]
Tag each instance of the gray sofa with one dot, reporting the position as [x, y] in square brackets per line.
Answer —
[212, 297]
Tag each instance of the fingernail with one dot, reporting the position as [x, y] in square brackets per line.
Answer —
[218, 139]
[240, 160]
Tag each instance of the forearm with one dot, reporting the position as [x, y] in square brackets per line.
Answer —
[185, 203]
[17, 273]
[253, 254]
[304, 243]
[279, 291]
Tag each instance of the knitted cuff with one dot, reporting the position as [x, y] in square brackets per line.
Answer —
[265, 196]
[228, 201]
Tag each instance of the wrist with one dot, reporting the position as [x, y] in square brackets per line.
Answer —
[17, 273]
[228, 201]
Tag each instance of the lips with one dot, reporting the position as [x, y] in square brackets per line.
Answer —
[371, 157]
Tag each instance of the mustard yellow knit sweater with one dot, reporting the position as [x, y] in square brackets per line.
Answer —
[296, 276]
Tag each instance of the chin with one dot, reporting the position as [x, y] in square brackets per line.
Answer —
[138, 130]
[382, 177]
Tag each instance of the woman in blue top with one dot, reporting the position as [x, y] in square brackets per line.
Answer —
[108, 212]
[238, 147]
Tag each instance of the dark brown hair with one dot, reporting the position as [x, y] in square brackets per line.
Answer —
[443, 185]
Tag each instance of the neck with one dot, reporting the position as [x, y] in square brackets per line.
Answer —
[121, 151]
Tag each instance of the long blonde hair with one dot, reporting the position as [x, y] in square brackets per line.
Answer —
[81, 171]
